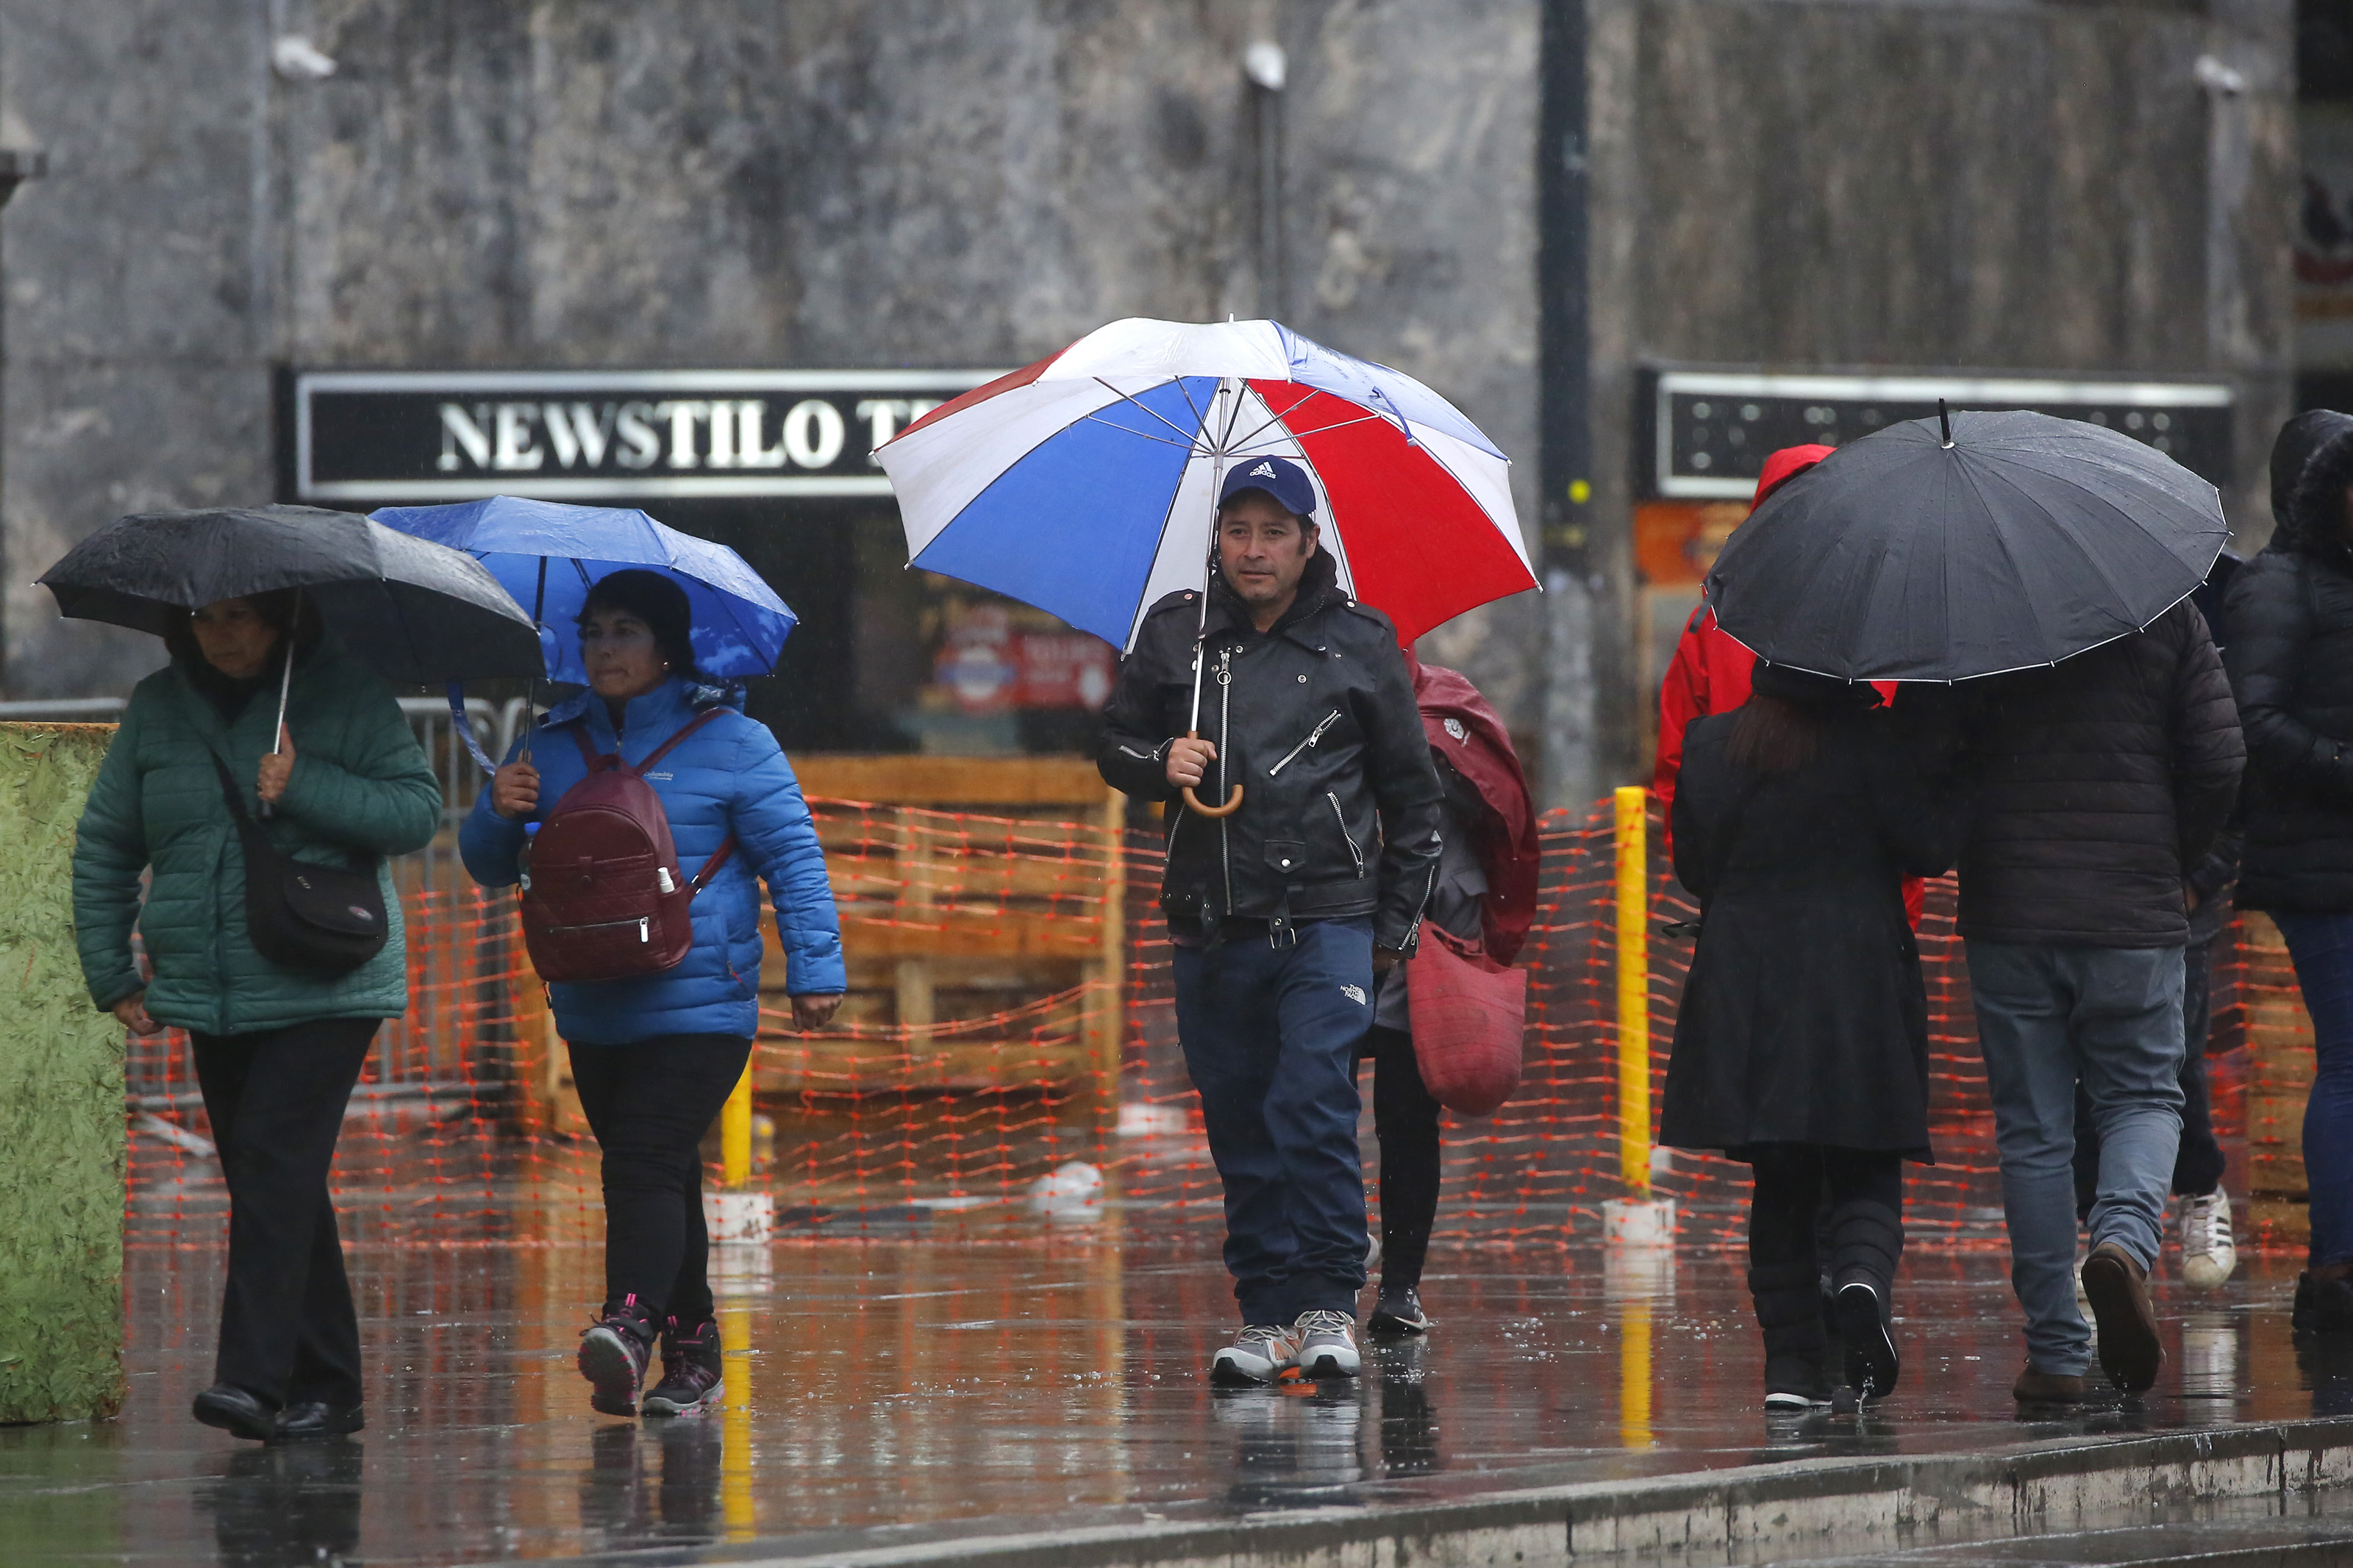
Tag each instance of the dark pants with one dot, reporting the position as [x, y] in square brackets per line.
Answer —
[2198, 1165]
[1270, 1037]
[275, 1100]
[1405, 1118]
[2321, 947]
[1852, 1199]
[649, 1103]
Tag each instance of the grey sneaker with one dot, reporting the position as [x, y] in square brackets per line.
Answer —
[1260, 1353]
[1327, 1344]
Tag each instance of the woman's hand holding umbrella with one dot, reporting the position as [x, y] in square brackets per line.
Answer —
[277, 768]
[515, 790]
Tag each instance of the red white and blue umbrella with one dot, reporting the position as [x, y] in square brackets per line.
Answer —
[1085, 484]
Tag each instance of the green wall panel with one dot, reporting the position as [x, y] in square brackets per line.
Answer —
[61, 1118]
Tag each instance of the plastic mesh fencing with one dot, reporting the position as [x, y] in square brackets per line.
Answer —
[1009, 1050]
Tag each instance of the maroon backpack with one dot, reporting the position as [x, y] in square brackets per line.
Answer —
[604, 896]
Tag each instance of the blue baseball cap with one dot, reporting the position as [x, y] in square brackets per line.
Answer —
[1283, 481]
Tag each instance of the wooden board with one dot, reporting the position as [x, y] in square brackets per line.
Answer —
[946, 781]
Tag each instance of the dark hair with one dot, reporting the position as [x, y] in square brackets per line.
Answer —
[1775, 735]
[655, 598]
[277, 611]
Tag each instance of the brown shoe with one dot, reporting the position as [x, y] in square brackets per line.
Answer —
[2117, 1288]
[2037, 1388]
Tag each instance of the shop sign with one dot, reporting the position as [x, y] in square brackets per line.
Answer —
[376, 436]
[1710, 431]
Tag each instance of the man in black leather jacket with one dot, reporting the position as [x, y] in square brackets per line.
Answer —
[1282, 912]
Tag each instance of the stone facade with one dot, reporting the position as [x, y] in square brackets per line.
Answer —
[2045, 184]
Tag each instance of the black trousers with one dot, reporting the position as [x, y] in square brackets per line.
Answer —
[1851, 1197]
[2198, 1166]
[649, 1103]
[1405, 1118]
[275, 1100]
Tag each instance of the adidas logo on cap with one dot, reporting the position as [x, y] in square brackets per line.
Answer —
[1267, 469]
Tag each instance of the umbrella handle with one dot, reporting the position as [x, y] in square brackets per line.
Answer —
[1233, 802]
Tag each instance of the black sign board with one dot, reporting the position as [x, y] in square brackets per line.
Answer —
[371, 437]
[1709, 431]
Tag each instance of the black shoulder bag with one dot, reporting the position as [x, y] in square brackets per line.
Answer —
[325, 920]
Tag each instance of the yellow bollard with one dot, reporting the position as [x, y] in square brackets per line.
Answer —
[1633, 991]
[735, 1133]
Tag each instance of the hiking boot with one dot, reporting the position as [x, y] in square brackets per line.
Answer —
[2130, 1351]
[2035, 1387]
[2322, 1306]
[1260, 1353]
[1398, 1314]
[1872, 1362]
[613, 1355]
[691, 1371]
[2208, 1251]
[1327, 1344]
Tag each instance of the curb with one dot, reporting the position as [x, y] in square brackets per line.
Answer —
[1732, 1514]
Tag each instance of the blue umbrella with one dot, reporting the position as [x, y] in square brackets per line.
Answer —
[548, 556]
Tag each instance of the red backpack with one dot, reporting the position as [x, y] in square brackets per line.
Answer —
[604, 896]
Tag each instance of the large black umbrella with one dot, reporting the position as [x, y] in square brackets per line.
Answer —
[417, 613]
[1935, 552]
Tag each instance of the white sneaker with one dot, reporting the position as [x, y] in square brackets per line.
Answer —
[1327, 1344]
[2208, 1253]
[1260, 1353]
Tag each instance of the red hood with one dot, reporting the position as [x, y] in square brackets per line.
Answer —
[1784, 466]
[1459, 723]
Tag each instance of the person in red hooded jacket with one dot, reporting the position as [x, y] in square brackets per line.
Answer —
[1710, 672]
[1485, 891]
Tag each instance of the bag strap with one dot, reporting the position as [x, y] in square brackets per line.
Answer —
[579, 728]
[710, 866]
[229, 791]
[689, 728]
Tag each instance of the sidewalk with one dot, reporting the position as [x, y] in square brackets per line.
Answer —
[908, 1397]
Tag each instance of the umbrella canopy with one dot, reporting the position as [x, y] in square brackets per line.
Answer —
[1085, 484]
[548, 554]
[2020, 540]
[414, 612]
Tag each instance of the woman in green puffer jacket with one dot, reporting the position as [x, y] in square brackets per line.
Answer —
[276, 1049]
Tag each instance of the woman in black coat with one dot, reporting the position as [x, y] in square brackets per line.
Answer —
[2291, 665]
[1801, 1045]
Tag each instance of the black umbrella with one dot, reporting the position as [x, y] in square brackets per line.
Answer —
[1938, 549]
[417, 613]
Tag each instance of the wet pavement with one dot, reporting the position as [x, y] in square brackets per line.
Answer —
[885, 1390]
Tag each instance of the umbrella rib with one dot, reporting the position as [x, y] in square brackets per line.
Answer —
[1190, 437]
[1201, 418]
[1276, 416]
[1192, 447]
[1320, 429]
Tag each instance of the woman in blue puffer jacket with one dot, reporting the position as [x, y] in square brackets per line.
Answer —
[654, 1058]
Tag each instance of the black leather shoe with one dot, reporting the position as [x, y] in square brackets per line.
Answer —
[308, 1418]
[232, 1409]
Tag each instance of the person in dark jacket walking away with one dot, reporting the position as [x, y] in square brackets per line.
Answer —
[1282, 913]
[276, 1048]
[2209, 1248]
[2291, 612]
[2100, 784]
[1486, 892]
[655, 1057]
[1801, 1045]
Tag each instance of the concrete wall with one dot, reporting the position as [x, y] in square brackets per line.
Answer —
[712, 182]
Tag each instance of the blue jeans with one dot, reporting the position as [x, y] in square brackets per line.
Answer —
[2322, 949]
[1270, 1037]
[2047, 1016]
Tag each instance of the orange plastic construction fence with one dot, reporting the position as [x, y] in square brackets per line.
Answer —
[974, 1113]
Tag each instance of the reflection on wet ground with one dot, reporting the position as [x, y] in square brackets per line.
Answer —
[879, 1389]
